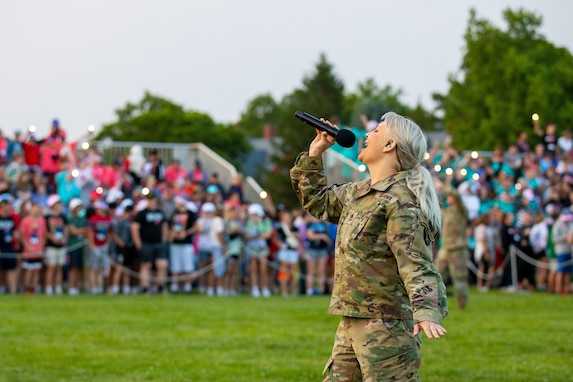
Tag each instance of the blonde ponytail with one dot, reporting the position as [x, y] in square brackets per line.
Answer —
[411, 146]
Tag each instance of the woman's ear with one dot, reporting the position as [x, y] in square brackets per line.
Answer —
[389, 145]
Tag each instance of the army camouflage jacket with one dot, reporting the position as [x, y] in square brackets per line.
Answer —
[383, 259]
[454, 223]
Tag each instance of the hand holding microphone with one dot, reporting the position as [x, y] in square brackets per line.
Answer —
[344, 138]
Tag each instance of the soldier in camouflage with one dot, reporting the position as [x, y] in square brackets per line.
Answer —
[386, 287]
[453, 255]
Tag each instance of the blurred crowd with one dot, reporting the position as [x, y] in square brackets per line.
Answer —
[72, 223]
[518, 201]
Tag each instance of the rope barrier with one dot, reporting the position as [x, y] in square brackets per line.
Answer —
[18, 255]
[484, 276]
[536, 263]
[191, 276]
[517, 252]
[275, 265]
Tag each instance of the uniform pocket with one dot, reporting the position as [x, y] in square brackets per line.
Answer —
[327, 368]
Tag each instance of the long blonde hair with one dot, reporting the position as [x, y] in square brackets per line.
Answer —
[411, 146]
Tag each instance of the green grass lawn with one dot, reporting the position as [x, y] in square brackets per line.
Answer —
[500, 337]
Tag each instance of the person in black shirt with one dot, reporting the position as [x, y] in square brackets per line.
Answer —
[149, 231]
[548, 137]
[8, 236]
[181, 252]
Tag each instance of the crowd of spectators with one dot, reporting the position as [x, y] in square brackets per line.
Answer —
[74, 224]
[518, 199]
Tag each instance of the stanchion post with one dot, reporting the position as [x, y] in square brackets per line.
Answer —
[513, 258]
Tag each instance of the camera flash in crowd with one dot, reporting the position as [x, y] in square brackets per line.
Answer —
[75, 173]
[362, 167]
[32, 129]
[99, 190]
[449, 171]
[145, 191]
[437, 168]
[518, 186]
[474, 155]
[263, 194]
[463, 172]
[426, 156]
[535, 117]
[91, 129]
[85, 146]
[475, 176]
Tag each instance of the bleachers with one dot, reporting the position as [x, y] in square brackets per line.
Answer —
[187, 153]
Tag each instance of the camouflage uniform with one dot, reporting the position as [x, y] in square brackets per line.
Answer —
[384, 278]
[453, 255]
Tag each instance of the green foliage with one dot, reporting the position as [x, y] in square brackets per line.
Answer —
[372, 101]
[262, 110]
[501, 337]
[322, 95]
[155, 119]
[506, 75]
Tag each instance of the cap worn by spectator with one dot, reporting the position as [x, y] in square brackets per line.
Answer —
[191, 207]
[208, 207]
[141, 205]
[113, 195]
[6, 198]
[75, 203]
[101, 205]
[256, 209]
[95, 195]
[179, 200]
[125, 203]
[53, 200]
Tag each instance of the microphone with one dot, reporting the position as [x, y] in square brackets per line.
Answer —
[344, 138]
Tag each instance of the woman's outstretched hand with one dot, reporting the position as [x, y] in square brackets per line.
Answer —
[431, 329]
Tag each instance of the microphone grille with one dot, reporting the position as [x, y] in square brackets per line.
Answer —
[345, 138]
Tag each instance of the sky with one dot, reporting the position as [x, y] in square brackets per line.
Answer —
[78, 61]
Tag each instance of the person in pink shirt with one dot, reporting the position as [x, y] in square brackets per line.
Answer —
[49, 160]
[3, 148]
[197, 174]
[98, 170]
[33, 236]
[99, 237]
[110, 177]
[175, 173]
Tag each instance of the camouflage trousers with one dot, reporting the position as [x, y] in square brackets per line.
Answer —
[373, 349]
[454, 263]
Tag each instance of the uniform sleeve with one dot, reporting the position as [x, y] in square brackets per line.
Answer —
[309, 183]
[411, 239]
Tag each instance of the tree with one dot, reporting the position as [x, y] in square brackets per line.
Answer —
[155, 119]
[262, 110]
[505, 76]
[372, 101]
[322, 95]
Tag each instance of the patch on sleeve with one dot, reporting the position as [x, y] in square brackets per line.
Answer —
[428, 237]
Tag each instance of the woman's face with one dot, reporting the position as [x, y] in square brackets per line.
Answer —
[374, 144]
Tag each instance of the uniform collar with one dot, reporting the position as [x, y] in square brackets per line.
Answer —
[364, 186]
